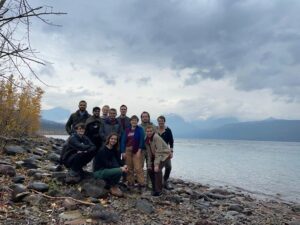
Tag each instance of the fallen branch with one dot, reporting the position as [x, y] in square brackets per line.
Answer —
[63, 197]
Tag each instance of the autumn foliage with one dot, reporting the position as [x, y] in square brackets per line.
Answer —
[20, 106]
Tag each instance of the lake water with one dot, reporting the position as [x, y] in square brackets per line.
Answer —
[267, 169]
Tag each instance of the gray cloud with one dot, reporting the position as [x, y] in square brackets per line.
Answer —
[107, 79]
[254, 42]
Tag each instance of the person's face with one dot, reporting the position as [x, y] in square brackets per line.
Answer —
[161, 122]
[105, 110]
[145, 118]
[149, 132]
[113, 140]
[133, 122]
[96, 113]
[123, 111]
[82, 106]
[80, 131]
[112, 114]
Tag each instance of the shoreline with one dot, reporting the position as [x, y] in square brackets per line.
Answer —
[33, 192]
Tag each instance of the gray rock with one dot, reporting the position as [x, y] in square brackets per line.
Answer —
[69, 204]
[18, 179]
[144, 206]
[35, 200]
[13, 150]
[28, 163]
[295, 222]
[70, 215]
[296, 208]
[19, 191]
[5, 162]
[7, 170]
[38, 186]
[235, 207]
[95, 189]
[54, 157]
[39, 151]
[31, 172]
[174, 198]
[107, 216]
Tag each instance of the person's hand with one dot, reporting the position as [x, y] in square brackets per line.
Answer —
[171, 154]
[124, 155]
[124, 169]
[156, 168]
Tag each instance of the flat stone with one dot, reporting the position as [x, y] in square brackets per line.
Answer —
[19, 191]
[69, 204]
[38, 186]
[13, 150]
[144, 206]
[70, 215]
[39, 151]
[7, 170]
[35, 200]
[28, 163]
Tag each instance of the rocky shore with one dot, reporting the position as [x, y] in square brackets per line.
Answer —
[34, 191]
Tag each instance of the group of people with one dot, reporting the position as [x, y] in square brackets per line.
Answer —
[119, 147]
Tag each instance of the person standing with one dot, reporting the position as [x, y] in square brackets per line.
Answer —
[108, 164]
[110, 125]
[158, 152]
[105, 111]
[166, 134]
[80, 116]
[132, 145]
[123, 119]
[93, 124]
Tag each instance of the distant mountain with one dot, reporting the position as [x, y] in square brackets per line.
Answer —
[56, 114]
[265, 130]
[51, 127]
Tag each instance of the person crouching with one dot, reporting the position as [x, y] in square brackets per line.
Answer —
[78, 152]
[108, 164]
[158, 152]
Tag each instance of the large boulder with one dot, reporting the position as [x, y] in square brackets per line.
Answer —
[13, 150]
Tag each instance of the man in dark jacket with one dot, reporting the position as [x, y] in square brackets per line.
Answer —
[80, 116]
[92, 127]
[78, 152]
[123, 119]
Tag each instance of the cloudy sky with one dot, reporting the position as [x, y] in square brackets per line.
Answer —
[196, 58]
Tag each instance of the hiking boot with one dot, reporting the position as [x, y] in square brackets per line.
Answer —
[156, 193]
[116, 191]
[168, 186]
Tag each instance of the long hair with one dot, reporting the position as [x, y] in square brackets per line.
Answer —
[116, 146]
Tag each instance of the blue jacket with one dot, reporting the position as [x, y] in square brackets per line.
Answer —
[138, 139]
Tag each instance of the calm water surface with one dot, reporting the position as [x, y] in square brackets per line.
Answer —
[263, 168]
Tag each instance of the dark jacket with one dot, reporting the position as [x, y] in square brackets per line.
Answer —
[124, 122]
[74, 119]
[138, 139]
[167, 136]
[107, 159]
[92, 130]
[108, 127]
[75, 144]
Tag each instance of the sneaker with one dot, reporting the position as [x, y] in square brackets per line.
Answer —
[116, 191]
[168, 186]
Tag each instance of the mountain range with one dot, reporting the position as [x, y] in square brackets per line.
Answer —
[213, 128]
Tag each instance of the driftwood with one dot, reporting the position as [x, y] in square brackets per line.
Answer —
[63, 197]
